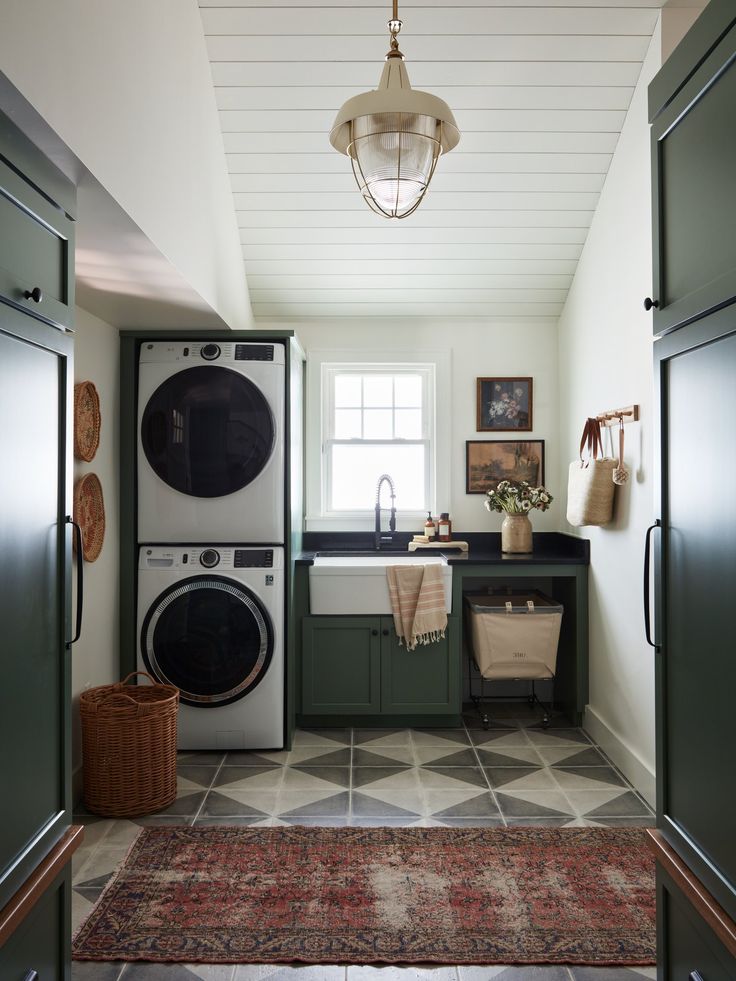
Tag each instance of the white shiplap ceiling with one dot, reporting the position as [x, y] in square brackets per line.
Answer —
[540, 90]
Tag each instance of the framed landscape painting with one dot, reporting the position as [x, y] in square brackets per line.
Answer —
[489, 461]
[504, 405]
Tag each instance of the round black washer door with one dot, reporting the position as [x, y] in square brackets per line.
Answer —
[210, 637]
[208, 431]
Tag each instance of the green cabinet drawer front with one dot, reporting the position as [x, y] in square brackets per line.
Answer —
[36, 250]
[689, 945]
[426, 679]
[41, 941]
[341, 662]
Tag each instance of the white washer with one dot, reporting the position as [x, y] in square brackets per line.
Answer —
[211, 622]
[211, 442]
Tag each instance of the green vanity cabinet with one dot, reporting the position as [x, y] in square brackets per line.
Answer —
[355, 665]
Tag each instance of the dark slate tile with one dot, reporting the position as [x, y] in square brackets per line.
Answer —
[482, 805]
[362, 736]
[585, 757]
[537, 822]
[529, 972]
[339, 775]
[96, 971]
[335, 806]
[466, 757]
[322, 821]
[363, 775]
[185, 805]
[364, 757]
[340, 757]
[364, 806]
[611, 973]
[472, 775]
[490, 757]
[451, 735]
[238, 774]
[98, 882]
[516, 807]
[384, 822]
[220, 805]
[498, 776]
[469, 822]
[601, 774]
[201, 775]
[548, 737]
[200, 757]
[337, 735]
[232, 821]
[626, 822]
[625, 805]
[242, 758]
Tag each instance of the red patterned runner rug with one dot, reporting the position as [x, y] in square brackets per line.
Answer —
[378, 895]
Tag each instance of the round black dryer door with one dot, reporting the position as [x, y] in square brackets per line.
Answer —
[207, 431]
[210, 637]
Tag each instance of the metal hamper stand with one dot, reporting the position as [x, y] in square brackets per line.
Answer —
[500, 652]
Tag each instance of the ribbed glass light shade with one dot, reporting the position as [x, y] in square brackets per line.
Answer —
[393, 156]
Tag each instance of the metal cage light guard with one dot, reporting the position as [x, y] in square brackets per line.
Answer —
[394, 136]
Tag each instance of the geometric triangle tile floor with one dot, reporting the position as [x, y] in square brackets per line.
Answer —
[514, 773]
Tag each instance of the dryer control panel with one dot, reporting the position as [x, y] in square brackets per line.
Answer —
[210, 352]
[221, 558]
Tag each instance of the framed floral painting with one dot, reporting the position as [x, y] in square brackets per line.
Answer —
[489, 461]
[504, 405]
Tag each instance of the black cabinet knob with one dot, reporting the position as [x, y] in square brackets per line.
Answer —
[374, 633]
[649, 303]
[385, 633]
[36, 294]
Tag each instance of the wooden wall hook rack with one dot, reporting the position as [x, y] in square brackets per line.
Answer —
[630, 413]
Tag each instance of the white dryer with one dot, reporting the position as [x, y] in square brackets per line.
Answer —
[211, 622]
[211, 442]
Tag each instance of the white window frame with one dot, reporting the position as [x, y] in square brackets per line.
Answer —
[322, 366]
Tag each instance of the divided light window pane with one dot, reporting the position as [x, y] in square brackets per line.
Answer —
[356, 469]
[389, 409]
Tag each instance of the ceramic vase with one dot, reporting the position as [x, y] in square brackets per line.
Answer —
[516, 533]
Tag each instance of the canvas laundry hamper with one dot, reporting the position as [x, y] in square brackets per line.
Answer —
[514, 636]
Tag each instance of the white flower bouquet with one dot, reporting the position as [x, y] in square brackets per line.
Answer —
[517, 497]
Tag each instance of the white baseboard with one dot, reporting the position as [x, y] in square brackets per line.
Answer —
[633, 768]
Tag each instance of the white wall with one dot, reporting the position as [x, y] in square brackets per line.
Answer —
[127, 87]
[605, 362]
[474, 349]
[95, 655]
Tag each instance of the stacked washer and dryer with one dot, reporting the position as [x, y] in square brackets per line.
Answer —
[211, 518]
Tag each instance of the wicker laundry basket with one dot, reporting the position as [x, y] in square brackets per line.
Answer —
[129, 747]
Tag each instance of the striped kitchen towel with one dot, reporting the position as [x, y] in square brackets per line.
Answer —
[417, 602]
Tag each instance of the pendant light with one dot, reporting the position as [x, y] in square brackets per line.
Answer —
[394, 136]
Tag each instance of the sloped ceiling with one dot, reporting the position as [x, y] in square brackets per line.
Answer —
[540, 91]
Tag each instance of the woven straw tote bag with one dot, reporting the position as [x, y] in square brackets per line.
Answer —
[590, 483]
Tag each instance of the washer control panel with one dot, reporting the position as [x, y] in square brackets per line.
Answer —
[196, 558]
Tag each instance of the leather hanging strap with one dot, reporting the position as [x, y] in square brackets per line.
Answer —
[592, 439]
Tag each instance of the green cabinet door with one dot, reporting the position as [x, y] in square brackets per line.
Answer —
[35, 378]
[693, 164]
[341, 664]
[425, 680]
[39, 949]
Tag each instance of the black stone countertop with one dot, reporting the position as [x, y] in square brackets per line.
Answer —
[550, 548]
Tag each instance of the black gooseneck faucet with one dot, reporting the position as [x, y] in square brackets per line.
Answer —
[379, 538]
